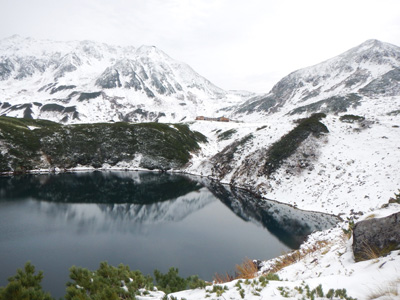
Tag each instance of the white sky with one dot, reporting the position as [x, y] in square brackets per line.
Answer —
[244, 45]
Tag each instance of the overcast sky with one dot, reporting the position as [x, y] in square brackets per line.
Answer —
[244, 45]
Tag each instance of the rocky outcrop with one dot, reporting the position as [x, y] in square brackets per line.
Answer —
[376, 237]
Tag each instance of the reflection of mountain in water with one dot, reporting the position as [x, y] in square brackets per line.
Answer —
[124, 217]
[99, 187]
[130, 201]
[289, 224]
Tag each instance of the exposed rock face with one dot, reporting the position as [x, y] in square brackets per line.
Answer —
[378, 235]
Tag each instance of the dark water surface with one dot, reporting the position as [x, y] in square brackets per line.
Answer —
[145, 220]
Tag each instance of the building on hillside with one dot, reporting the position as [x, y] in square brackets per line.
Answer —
[223, 119]
[219, 119]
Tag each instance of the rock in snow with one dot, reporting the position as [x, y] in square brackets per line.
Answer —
[376, 237]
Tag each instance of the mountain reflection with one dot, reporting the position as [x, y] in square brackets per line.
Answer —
[289, 224]
[98, 187]
[132, 201]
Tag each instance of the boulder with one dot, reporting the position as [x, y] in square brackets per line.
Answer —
[376, 237]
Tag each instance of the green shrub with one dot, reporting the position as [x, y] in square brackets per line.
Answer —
[351, 118]
[335, 104]
[288, 144]
[272, 277]
[25, 285]
[171, 282]
[226, 134]
[318, 292]
[107, 282]
[164, 146]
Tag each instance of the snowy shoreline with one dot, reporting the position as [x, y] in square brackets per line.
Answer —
[112, 169]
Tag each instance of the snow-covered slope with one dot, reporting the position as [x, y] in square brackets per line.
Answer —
[75, 82]
[350, 166]
[367, 71]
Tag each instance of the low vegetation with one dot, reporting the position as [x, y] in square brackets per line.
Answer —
[295, 256]
[31, 144]
[224, 161]
[315, 293]
[25, 285]
[171, 282]
[108, 282]
[390, 291]
[369, 252]
[335, 104]
[289, 143]
[351, 118]
[226, 135]
[247, 270]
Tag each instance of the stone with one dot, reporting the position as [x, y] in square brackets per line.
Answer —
[376, 237]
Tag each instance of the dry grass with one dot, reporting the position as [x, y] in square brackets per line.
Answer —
[371, 216]
[389, 292]
[371, 252]
[247, 270]
[218, 278]
[295, 256]
[368, 252]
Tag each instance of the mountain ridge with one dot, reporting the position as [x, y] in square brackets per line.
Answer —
[126, 83]
[342, 75]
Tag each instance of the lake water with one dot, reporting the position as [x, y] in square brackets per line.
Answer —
[142, 219]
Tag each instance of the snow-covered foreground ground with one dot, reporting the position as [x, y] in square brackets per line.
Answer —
[356, 168]
[356, 171]
[327, 260]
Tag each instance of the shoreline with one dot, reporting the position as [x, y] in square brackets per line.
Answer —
[171, 171]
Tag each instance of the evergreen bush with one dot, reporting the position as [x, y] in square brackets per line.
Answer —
[25, 285]
[288, 144]
[171, 282]
[107, 282]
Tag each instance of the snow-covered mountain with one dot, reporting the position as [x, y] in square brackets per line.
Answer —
[342, 160]
[365, 72]
[74, 82]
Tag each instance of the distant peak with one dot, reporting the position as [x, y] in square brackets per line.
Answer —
[372, 42]
[14, 37]
[147, 49]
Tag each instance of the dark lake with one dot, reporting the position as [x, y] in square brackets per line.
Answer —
[142, 219]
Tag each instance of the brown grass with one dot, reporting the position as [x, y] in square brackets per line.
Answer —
[247, 270]
[370, 252]
[295, 256]
[390, 291]
[220, 278]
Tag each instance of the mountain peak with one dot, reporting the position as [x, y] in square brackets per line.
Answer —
[372, 42]
[117, 83]
[375, 45]
[369, 69]
[152, 51]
